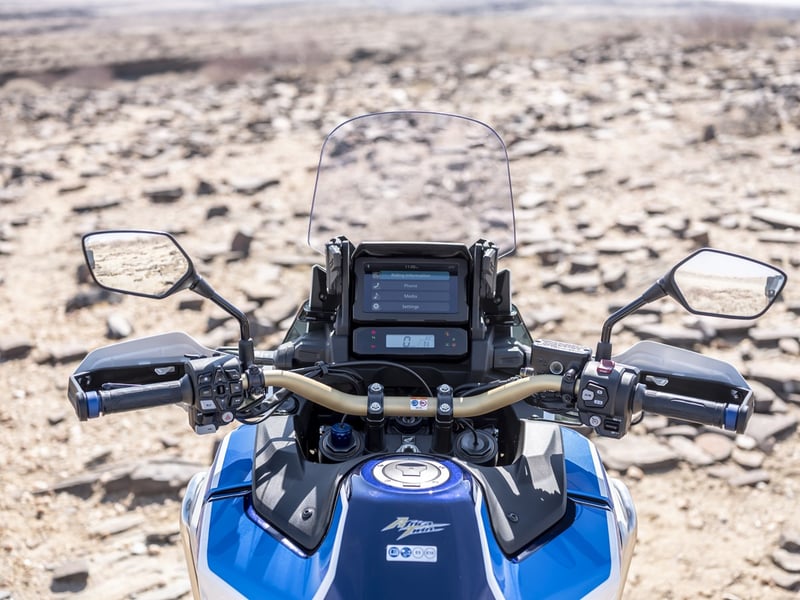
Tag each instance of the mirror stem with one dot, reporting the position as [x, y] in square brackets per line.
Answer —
[202, 287]
[654, 292]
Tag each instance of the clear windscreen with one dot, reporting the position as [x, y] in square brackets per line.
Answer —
[413, 177]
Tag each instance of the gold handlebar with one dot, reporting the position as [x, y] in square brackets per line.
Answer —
[412, 406]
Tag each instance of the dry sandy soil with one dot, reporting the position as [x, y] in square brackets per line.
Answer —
[633, 141]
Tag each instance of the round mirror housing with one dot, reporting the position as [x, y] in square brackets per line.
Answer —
[143, 263]
[722, 284]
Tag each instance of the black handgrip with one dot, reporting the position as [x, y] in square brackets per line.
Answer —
[733, 417]
[139, 396]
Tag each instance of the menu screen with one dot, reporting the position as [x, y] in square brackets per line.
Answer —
[408, 290]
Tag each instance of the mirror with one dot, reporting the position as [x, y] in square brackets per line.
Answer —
[721, 284]
[143, 263]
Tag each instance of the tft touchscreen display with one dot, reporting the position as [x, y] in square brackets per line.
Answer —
[427, 290]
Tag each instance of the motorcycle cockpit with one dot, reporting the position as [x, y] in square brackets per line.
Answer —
[418, 302]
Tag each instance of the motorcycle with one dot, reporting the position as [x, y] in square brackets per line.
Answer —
[409, 437]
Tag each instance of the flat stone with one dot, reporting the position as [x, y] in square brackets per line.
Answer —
[252, 185]
[715, 445]
[107, 527]
[241, 242]
[164, 195]
[789, 346]
[92, 297]
[614, 278]
[788, 561]
[777, 218]
[643, 452]
[582, 282]
[118, 327]
[783, 376]
[217, 211]
[195, 304]
[749, 459]
[528, 149]
[763, 427]
[764, 396]
[543, 315]
[73, 571]
[205, 188]
[770, 337]
[787, 581]
[790, 540]
[753, 477]
[81, 485]
[623, 246]
[724, 471]
[15, 349]
[687, 431]
[60, 355]
[689, 452]
[155, 477]
[95, 206]
[669, 334]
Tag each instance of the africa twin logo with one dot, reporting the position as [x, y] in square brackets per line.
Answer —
[414, 527]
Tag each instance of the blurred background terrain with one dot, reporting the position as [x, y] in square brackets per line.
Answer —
[637, 133]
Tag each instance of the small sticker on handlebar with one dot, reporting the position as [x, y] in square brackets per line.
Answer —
[418, 404]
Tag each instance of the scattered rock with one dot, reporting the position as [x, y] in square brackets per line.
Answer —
[95, 206]
[241, 243]
[75, 571]
[689, 452]
[715, 445]
[633, 450]
[252, 185]
[164, 195]
[90, 298]
[118, 327]
[205, 188]
[749, 459]
[788, 561]
[753, 477]
[15, 349]
[763, 427]
[790, 541]
[115, 525]
[787, 581]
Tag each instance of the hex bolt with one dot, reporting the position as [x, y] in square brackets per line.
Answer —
[375, 407]
[375, 387]
[445, 408]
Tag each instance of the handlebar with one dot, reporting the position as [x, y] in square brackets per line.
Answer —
[733, 417]
[136, 397]
[633, 398]
[412, 406]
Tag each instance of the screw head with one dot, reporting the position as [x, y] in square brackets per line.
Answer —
[445, 408]
[375, 387]
[444, 388]
[375, 407]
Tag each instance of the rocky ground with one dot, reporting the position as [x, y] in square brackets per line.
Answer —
[633, 141]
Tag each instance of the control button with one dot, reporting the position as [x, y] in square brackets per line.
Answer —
[236, 401]
[204, 379]
[594, 396]
[606, 367]
[221, 401]
[207, 405]
[233, 374]
[236, 387]
[206, 392]
[219, 376]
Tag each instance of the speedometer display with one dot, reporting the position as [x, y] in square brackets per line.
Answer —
[398, 340]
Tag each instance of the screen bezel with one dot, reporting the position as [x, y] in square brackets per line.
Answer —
[461, 314]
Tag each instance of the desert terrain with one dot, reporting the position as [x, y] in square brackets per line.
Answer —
[635, 137]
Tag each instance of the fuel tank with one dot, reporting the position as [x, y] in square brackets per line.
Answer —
[404, 526]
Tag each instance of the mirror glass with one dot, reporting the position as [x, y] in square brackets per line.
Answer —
[720, 284]
[144, 263]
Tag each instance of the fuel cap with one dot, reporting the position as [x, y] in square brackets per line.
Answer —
[416, 474]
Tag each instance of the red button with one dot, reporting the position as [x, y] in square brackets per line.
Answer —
[606, 367]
